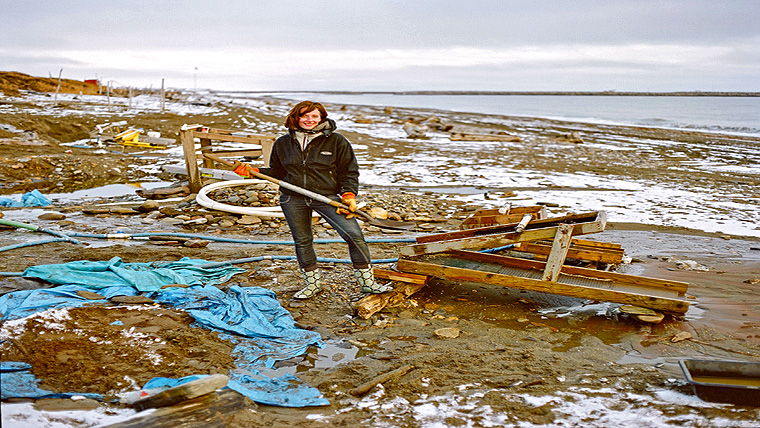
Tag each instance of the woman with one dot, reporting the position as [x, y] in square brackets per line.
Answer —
[312, 156]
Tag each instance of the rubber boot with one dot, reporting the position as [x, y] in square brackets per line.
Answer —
[313, 285]
[367, 284]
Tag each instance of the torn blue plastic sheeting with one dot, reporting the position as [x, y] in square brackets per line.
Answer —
[250, 312]
[18, 382]
[261, 329]
[29, 199]
[284, 391]
[23, 303]
[142, 276]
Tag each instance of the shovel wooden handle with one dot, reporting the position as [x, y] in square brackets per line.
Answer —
[286, 185]
[385, 224]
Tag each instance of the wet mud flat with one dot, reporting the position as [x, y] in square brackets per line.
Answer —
[479, 355]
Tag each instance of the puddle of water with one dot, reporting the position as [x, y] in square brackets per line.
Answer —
[333, 353]
[107, 191]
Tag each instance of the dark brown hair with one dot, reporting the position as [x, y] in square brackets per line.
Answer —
[300, 109]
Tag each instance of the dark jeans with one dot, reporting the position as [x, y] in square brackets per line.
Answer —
[298, 211]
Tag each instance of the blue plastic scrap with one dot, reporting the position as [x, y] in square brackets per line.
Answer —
[29, 199]
[18, 382]
[262, 330]
[149, 276]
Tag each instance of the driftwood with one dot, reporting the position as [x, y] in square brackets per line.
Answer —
[461, 136]
[212, 410]
[385, 377]
[407, 284]
[163, 192]
[184, 392]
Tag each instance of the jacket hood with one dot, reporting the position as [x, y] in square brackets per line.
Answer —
[327, 127]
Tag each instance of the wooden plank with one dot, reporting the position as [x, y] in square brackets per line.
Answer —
[678, 287]
[594, 254]
[466, 136]
[504, 228]
[183, 392]
[558, 252]
[665, 304]
[505, 215]
[191, 161]
[502, 239]
[250, 139]
[205, 147]
[400, 276]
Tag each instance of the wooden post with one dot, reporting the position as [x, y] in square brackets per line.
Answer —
[162, 95]
[191, 162]
[57, 88]
[558, 253]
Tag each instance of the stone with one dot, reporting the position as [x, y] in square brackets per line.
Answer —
[196, 243]
[249, 219]
[52, 216]
[447, 333]
[148, 206]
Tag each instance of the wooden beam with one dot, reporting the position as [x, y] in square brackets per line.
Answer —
[558, 253]
[400, 276]
[256, 139]
[502, 239]
[191, 161]
[677, 287]
[665, 304]
[210, 410]
[506, 228]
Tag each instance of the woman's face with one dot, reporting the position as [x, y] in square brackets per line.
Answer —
[309, 120]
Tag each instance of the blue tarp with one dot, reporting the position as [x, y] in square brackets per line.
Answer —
[29, 199]
[142, 276]
[251, 317]
[18, 382]
[285, 391]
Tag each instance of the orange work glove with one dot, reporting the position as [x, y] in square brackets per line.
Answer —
[348, 199]
[244, 169]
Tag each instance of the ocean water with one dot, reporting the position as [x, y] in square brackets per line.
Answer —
[732, 115]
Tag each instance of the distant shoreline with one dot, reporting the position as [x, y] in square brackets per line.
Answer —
[561, 93]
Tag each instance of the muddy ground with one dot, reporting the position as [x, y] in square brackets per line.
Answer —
[510, 345]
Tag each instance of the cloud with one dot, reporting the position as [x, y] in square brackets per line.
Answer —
[352, 69]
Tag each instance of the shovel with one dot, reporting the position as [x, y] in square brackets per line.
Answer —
[383, 224]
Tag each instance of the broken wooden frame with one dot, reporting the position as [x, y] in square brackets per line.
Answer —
[504, 215]
[206, 135]
[580, 249]
[453, 256]
[456, 265]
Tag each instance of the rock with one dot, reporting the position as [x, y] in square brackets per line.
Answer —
[378, 213]
[148, 206]
[52, 216]
[414, 130]
[170, 211]
[752, 281]
[196, 243]
[447, 333]
[226, 224]
[680, 337]
[249, 219]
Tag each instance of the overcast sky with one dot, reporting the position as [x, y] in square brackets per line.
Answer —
[566, 45]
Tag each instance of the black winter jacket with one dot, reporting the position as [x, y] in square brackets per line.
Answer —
[328, 166]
